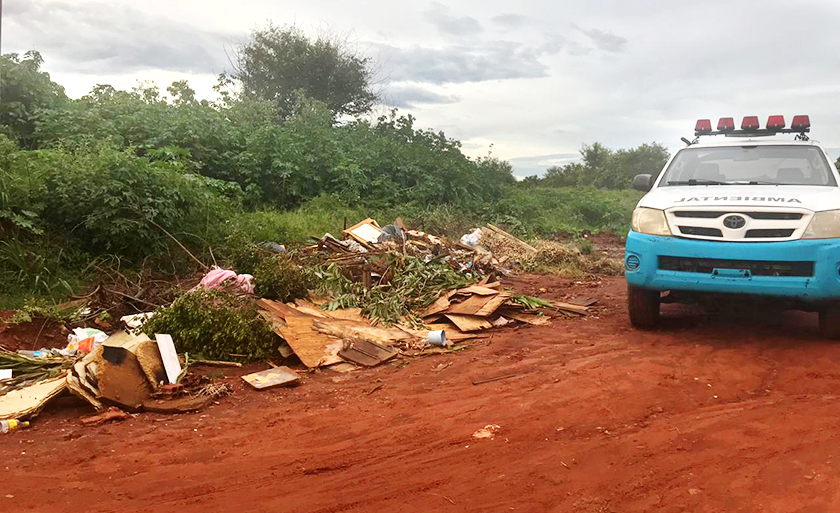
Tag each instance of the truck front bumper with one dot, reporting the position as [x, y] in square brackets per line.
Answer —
[807, 270]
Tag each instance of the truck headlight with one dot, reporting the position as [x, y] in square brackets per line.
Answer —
[650, 221]
[824, 225]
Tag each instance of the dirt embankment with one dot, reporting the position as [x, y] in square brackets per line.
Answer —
[714, 413]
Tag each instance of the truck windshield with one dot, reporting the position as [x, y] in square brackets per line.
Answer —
[752, 165]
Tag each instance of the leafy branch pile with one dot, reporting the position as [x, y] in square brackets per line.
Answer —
[216, 324]
[413, 285]
[27, 371]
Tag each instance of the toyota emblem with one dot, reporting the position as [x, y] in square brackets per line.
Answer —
[734, 222]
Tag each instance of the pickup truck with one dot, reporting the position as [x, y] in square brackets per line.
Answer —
[753, 212]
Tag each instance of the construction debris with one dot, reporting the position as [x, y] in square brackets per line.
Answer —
[274, 377]
[106, 416]
[26, 403]
[366, 353]
[384, 294]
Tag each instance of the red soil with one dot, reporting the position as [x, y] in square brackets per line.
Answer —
[711, 412]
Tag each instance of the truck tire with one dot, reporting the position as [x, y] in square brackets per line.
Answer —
[643, 305]
[830, 321]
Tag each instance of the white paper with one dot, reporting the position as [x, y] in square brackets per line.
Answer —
[5, 373]
[169, 356]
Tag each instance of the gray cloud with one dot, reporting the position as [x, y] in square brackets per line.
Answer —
[605, 41]
[457, 64]
[92, 37]
[409, 95]
[440, 16]
[511, 21]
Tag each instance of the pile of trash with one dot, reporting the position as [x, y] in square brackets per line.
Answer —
[385, 293]
[484, 250]
[124, 370]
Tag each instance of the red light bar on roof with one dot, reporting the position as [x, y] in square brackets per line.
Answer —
[775, 122]
[726, 125]
[703, 126]
[801, 122]
[750, 123]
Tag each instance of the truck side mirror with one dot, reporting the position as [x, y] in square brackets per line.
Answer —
[643, 182]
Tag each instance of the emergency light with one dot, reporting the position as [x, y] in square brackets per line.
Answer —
[726, 124]
[703, 126]
[751, 127]
[750, 123]
[775, 122]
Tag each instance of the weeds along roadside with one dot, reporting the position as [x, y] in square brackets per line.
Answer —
[54, 267]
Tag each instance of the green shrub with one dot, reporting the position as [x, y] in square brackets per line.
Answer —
[276, 277]
[215, 324]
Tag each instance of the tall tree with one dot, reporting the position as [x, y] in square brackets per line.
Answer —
[24, 91]
[278, 61]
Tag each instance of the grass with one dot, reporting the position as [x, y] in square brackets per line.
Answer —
[53, 272]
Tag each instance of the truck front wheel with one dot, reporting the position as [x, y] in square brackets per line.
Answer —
[643, 305]
[830, 321]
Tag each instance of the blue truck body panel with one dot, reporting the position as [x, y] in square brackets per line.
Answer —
[823, 285]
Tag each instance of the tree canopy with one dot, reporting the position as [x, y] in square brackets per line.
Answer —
[278, 61]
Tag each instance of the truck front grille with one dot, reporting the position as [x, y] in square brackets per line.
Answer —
[756, 267]
[699, 230]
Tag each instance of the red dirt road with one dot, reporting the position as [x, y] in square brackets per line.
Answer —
[708, 413]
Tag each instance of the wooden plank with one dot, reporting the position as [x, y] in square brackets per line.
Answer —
[277, 308]
[469, 322]
[440, 304]
[471, 306]
[364, 232]
[479, 290]
[493, 305]
[568, 307]
[534, 320]
[344, 329]
[313, 348]
[366, 353]
[511, 238]
[304, 306]
[583, 301]
[276, 377]
[27, 402]
[350, 314]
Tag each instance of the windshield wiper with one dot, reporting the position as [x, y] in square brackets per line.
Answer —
[697, 181]
[762, 182]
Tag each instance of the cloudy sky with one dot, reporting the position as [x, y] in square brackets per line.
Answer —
[534, 79]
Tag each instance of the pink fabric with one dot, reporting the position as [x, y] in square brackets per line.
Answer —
[215, 278]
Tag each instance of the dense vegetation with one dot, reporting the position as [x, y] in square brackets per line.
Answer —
[132, 176]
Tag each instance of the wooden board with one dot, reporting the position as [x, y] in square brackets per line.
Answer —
[479, 290]
[440, 305]
[366, 353]
[535, 320]
[511, 238]
[313, 348]
[276, 377]
[304, 306]
[583, 300]
[493, 305]
[278, 308]
[350, 314]
[345, 329]
[470, 306]
[468, 322]
[29, 401]
[568, 307]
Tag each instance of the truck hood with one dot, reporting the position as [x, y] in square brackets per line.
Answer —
[810, 197]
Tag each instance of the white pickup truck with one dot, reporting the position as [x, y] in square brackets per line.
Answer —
[750, 212]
